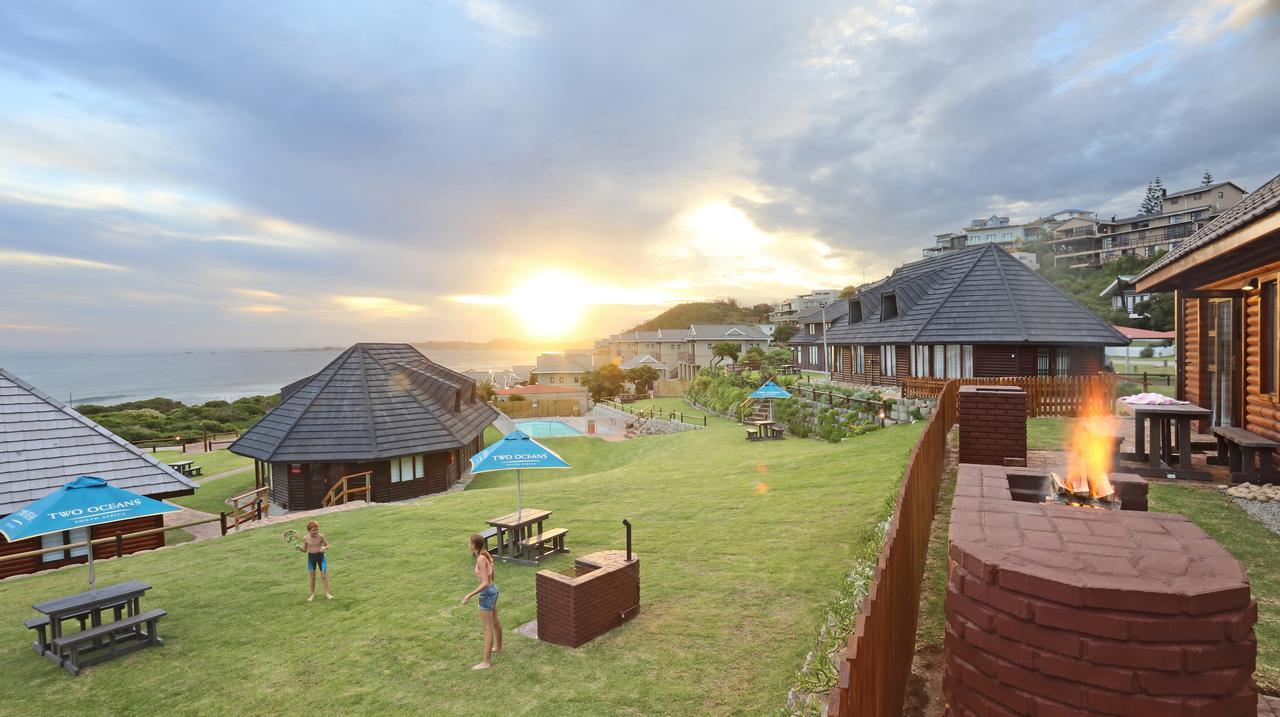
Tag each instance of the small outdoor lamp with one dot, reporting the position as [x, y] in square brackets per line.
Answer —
[1250, 285]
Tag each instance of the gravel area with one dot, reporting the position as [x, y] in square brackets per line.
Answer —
[1267, 513]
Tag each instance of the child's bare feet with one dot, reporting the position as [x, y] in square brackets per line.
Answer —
[328, 596]
[310, 598]
[481, 666]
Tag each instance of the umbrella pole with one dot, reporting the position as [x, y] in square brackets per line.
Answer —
[517, 495]
[91, 581]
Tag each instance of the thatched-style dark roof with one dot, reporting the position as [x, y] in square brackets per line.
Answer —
[978, 295]
[372, 402]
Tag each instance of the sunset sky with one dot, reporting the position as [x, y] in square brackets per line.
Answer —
[291, 174]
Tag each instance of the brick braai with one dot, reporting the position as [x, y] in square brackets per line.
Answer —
[576, 609]
[1057, 610]
[993, 425]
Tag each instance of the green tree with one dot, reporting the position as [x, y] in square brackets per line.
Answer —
[775, 359]
[1158, 312]
[642, 377]
[848, 292]
[1207, 179]
[604, 382]
[724, 350]
[485, 390]
[783, 332]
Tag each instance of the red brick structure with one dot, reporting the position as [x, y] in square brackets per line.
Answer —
[993, 425]
[604, 593]
[1057, 610]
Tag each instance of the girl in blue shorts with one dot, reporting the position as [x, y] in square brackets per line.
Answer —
[488, 592]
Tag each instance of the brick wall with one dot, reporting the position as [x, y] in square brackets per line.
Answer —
[993, 425]
[603, 593]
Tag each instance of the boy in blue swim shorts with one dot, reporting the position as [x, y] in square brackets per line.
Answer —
[314, 546]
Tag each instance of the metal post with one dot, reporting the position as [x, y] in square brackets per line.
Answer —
[628, 524]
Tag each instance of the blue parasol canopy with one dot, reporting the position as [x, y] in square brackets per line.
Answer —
[84, 502]
[770, 390]
[515, 451]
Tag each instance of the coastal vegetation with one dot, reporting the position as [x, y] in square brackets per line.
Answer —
[164, 418]
[744, 549]
[1086, 284]
[725, 311]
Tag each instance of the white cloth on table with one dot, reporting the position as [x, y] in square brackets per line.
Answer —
[1152, 399]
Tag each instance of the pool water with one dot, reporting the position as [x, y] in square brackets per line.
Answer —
[548, 429]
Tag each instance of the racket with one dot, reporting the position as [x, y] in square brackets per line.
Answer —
[291, 539]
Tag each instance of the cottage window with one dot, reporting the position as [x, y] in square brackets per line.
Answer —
[407, 468]
[1268, 329]
[1064, 361]
[66, 537]
[835, 358]
[955, 365]
[1043, 361]
[855, 311]
[889, 360]
[939, 361]
[889, 307]
[813, 355]
[920, 361]
[859, 359]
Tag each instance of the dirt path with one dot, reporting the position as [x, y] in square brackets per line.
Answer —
[214, 530]
[225, 474]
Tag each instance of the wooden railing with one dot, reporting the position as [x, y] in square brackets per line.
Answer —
[342, 491]
[874, 673]
[1046, 395]
[833, 398]
[540, 408]
[247, 506]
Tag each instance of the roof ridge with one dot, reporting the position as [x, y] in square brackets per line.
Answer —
[364, 385]
[431, 409]
[1013, 303]
[1067, 296]
[929, 319]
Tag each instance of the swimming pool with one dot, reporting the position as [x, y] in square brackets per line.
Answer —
[548, 429]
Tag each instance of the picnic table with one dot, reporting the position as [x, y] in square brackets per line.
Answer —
[122, 599]
[514, 528]
[765, 429]
[187, 468]
[1169, 426]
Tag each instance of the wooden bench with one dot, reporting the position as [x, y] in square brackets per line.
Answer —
[538, 542]
[195, 471]
[489, 534]
[131, 633]
[1243, 451]
[753, 434]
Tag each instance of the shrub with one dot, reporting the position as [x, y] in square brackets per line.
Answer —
[1147, 352]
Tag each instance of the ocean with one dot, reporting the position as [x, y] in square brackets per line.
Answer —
[194, 377]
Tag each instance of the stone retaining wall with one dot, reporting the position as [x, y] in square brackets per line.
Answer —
[652, 426]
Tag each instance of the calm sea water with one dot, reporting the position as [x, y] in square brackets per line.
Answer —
[196, 377]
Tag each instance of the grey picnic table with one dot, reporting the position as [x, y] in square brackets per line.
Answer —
[1160, 457]
[122, 597]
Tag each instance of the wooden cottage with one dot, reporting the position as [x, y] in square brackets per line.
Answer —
[971, 312]
[379, 415]
[44, 445]
[806, 345]
[1224, 279]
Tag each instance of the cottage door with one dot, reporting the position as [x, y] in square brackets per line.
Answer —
[1221, 363]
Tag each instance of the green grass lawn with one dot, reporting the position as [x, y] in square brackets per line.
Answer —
[213, 463]
[1253, 544]
[667, 404]
[742, 548]
[1048, 434]
[211, 496]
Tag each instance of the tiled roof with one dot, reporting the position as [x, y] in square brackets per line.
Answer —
[45, 444]
[978, 295]
[645, 360]
[374, 401]
[1203, 188]
[1254, 206]
[726, 332]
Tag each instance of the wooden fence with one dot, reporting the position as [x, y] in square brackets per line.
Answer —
[1046, 395]
[874, 673]
[670, 387]
[832, 398]
[540, 408]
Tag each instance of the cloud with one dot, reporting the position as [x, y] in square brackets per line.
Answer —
[414, 153]
[20, 258]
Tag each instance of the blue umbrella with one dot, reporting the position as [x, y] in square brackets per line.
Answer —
[770, 390]
[516, 450]
[82, 503]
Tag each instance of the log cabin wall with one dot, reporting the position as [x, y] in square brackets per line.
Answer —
[1261, 410]
[1192, 340]
[994, 361]
[35, 563]
[903, 355]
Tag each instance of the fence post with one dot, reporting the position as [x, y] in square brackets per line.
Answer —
[259, 509]
[222, 521]
[1144, 381]
[119, 544]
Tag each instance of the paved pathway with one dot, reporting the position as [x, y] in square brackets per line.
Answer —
[225, 474]
[214, 530]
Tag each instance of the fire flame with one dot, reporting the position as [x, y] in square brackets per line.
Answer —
[1089, 451]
